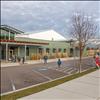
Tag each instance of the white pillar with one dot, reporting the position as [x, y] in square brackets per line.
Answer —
[6, 51]
[25, 52]
[18, 51]
[9, 34]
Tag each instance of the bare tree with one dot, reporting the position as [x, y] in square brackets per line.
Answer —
[83, 28]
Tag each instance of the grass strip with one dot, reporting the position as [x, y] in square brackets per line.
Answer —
[38, 88]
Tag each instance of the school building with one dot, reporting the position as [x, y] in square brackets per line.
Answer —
[31, 47]
[34, 45]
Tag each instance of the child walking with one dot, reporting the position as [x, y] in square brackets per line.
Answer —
[59, 63]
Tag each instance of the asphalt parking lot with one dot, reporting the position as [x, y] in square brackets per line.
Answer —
[18, 77]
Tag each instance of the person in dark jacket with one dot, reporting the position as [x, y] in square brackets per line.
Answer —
[45, 59]
[59, 63]
[18, 59]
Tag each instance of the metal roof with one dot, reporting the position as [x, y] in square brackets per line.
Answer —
[6, 27]
[45, 35]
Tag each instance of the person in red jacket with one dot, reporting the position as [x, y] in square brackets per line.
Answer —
[97, 61]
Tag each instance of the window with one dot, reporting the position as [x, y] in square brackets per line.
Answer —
[2, 36]
[47, 50]
[27, 51]
[88, 48]
[64, 50]
[7, 36]
[59, 50]
[54, 50]
[97, 48]
[40, 50]
[12, 36]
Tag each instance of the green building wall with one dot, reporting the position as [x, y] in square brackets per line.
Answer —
[34, 50]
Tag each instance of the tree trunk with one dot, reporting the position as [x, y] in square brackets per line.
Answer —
[80, 58]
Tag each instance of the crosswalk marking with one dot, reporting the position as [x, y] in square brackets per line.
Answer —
[63, 69]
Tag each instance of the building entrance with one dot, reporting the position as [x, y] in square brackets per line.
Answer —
[11, 52]
[71, 52]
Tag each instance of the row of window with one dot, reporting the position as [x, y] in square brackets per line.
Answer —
[40, 50]
[53, 50]
[5, 35]
[92, 48]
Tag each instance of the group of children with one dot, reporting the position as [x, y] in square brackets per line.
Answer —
[58, 62]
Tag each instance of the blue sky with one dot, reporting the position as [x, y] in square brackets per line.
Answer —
[44, 15]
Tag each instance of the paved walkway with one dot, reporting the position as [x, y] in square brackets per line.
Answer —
[84, 88]
[8, 64]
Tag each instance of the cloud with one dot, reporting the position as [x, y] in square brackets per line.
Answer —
[36, 15]
[98, 20]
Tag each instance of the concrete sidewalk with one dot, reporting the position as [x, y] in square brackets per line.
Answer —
[8, 64]
[84, 88]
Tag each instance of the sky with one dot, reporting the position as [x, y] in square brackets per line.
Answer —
[31, 16]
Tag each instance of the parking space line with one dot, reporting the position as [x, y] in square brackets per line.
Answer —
[69, 69]
[13, 86]
[64, 70]
[42, 75]
[56, 70]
